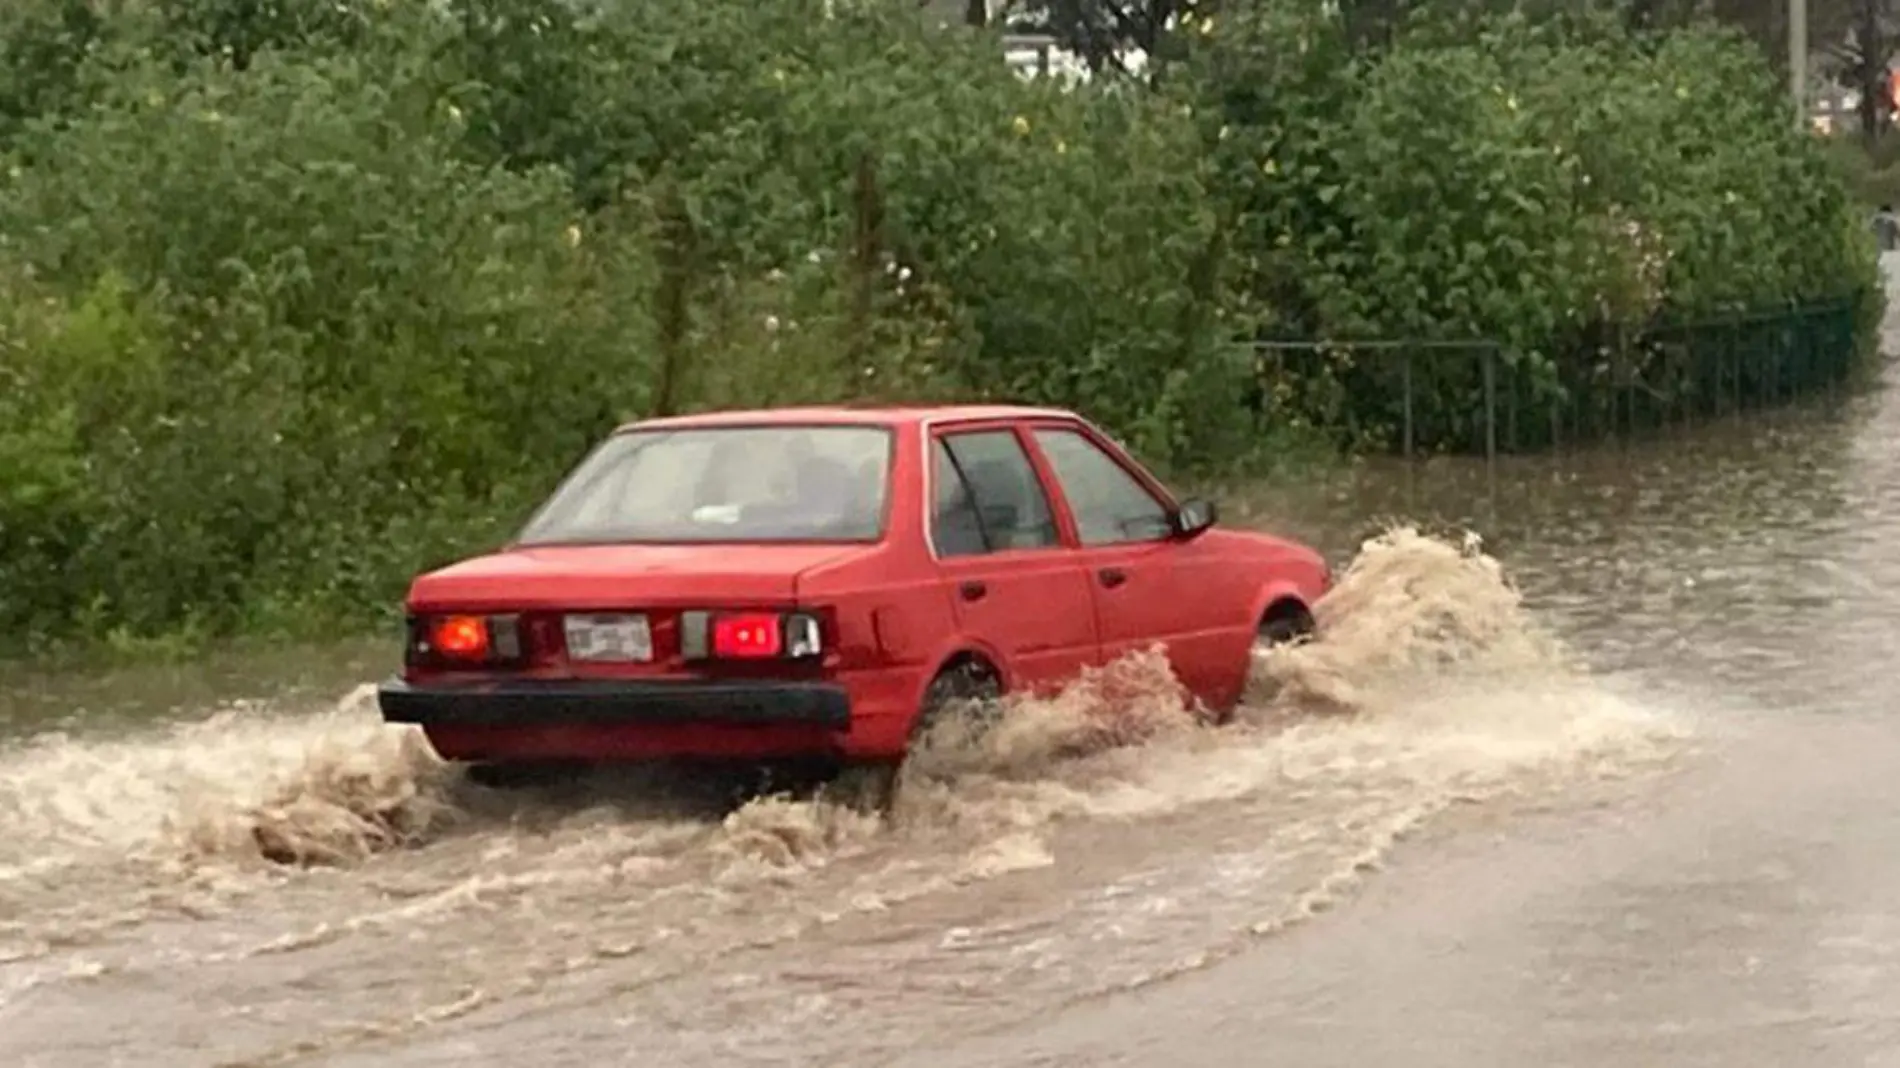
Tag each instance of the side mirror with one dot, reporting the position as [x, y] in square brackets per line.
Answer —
[1194, 516]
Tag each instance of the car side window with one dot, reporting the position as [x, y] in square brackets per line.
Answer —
[986, 497]
[954, 529]
[1111, 506]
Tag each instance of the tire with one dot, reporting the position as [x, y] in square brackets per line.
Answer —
[969, 688]
[1286, 623]
[523, 775]
[1283, 627]
[966, 688]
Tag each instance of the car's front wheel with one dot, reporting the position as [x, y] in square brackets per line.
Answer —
[1284, 623]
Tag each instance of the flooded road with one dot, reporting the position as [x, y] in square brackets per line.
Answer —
[1640, 814]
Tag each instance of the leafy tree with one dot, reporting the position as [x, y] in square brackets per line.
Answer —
[297, 296]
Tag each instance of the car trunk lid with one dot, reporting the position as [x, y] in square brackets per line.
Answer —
[603, 589]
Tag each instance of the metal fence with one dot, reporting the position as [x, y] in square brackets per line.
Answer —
[1479, 396]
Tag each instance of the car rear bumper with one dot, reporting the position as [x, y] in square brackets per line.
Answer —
[616, 703]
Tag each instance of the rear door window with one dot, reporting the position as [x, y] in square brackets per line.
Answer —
[986, 496]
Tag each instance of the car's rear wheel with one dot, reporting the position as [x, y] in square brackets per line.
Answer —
[966, 690]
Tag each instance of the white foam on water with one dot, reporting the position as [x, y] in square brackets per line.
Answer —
[1427, 685]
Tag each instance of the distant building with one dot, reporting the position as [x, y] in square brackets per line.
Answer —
[1027, 54]
[956, 11]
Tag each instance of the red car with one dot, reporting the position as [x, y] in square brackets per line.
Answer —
[813, 583]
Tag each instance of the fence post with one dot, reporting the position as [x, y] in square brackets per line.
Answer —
[1491, 405]
[1772, 372]
[1635, 389]
[677, 241]
[1511, 433]
[867, 248]
[1407, 387]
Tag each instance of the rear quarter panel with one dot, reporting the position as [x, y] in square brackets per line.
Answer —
[893, 617]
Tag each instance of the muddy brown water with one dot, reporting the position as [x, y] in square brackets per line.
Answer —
[1613, 786]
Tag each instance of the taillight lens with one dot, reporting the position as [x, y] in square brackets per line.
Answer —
[750, 635]
[465, 640]
[460, 637]
[754, 636]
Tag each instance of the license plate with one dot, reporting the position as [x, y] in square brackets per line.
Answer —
[623, 638]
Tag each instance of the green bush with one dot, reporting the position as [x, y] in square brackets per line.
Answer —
[1068, 238]
[298, 296]
[280, 322]
[1539, 184]
[1872, 172]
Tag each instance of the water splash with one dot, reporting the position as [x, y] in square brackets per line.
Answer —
[1409, 610]
[1428, 685]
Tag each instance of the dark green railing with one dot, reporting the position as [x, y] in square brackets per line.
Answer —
[1479, 396]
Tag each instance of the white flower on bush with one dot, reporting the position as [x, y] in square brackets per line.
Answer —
[1643, 256]
[771, 324]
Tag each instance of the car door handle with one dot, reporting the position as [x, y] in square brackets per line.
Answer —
[1112, 576]
[972, 591]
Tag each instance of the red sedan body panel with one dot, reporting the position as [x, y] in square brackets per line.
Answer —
[892, 612]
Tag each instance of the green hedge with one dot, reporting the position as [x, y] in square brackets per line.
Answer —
[1537, 184]
[299, 296]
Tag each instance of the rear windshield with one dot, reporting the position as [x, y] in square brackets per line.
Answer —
[780, 483]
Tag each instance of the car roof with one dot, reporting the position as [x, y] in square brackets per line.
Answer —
[848, 415]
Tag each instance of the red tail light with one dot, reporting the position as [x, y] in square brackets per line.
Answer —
[753, 636]
[750, 635]
[464, 640]
[460, 637]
